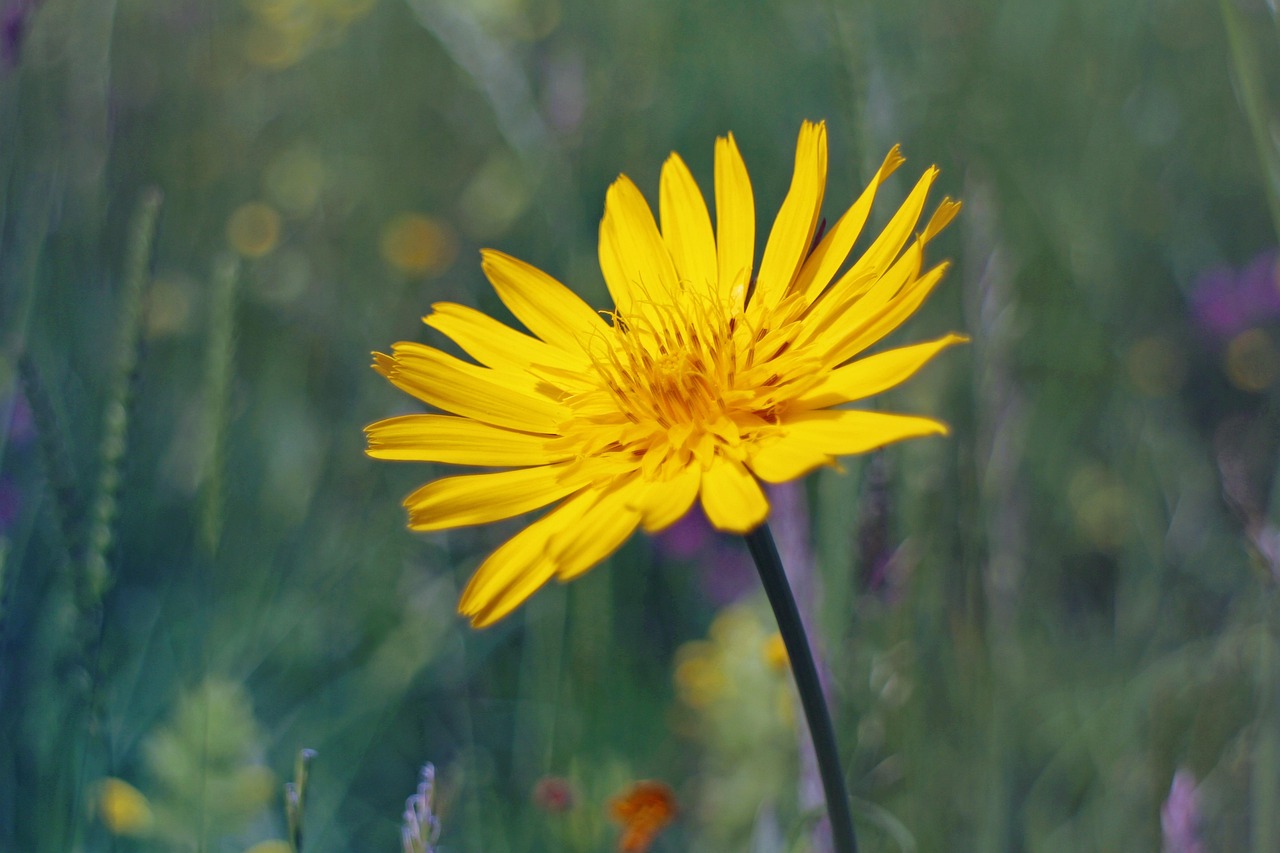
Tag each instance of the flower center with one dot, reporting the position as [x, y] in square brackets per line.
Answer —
[675, 374]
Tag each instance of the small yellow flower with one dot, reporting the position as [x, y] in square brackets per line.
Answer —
[709, 376]
[123, 809]
[775, 653]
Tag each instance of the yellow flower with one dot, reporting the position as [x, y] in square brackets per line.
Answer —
[124, 809]
[704, 380]
[775, 653]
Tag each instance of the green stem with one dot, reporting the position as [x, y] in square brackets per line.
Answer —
[765, 553]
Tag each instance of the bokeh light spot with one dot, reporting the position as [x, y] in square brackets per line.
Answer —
[495, 197]
[1157, 368]
[275, 11]
[274, 47]
[347, 11]
[1252, 362]
[1101, 507]
[169, 305]
[253, 229]
[275, 845]
[284, 277]
[295, 178]
[418, 244]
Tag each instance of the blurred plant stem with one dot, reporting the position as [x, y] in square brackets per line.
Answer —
[219, 368]
[765, 553]
[541, 672]
[1247, 71]
[1000, 407]
[1264, 787]
[53, 456]
[295, 797]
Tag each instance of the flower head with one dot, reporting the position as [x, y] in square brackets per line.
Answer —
[123, 809]
[644, 810]
[709, 375]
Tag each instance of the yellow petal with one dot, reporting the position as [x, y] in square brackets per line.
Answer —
[458, 441]
[947, 210]
[782, 461]
[482, 498]
[523, 573]
[888, 318]
[636, 264]
[497, 398]
[871, 375]
[792, 231]
[601, 530]
[834, 248]
[840, 432]
[886, 247]
[664, 502]
[546, 307]
[731, 497]
[520, 565]
[686, 227]
[496, 344]
[853, 302]
[735, 222]
[383, 363]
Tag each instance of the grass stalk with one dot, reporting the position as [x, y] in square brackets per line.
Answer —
[115, 424]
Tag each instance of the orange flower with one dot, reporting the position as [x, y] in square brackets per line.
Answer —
[644, 810]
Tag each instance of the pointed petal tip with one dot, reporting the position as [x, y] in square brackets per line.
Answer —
[947, 210]
[478, 618]
[673, 161]
[438, 308]
[622, 183]
[477, 612]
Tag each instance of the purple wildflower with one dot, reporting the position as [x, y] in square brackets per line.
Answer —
[727, 570]
[1227, 302]
[14, 18]
[1180, 815]
[421, 827]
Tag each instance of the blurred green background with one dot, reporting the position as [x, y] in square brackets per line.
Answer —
[1054, 630]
